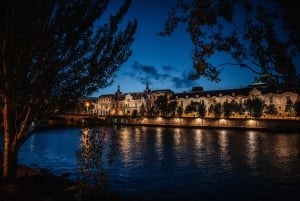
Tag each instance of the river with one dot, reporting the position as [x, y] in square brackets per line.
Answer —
[155, 163]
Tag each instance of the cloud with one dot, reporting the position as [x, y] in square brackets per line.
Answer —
[161, 77]
[182, 81]
[167, 68]
[147, 73]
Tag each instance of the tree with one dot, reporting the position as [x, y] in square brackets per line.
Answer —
[134, 113]
[161, 104]
[142, 110]
[255, 106]
[202, 109]
[98, 147]
[172, 108]
[297, 108]
[216, 109]
[289, 106]
[53, 53]
[190, 108]
[252, 34]
[179, 111]
[229, 108]
[271, 110]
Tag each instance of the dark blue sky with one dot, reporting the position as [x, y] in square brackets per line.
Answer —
[165, 62]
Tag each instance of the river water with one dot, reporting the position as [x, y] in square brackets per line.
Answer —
[155, 163]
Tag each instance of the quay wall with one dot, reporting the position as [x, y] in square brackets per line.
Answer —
[263, 124]
[286, 124]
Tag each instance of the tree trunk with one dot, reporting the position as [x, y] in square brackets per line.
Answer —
[10, 155]
[10, 159]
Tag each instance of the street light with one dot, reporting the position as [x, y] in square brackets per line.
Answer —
[87, 104]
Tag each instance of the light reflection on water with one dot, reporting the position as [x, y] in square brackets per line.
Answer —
[184, 164]
[252, 146]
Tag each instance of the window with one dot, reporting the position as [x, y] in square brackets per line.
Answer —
[271, 100]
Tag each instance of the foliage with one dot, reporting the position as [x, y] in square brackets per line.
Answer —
[179, 111]
[142, 110]
[172, 108]
[134, 113]
[216, 109]
[228, 108]
[52, 54]
[91, 158]
[251, 34]
[297, 108]
[197, 107]
[190, 108]
[289, 106]
[255, 107]
[239, 108]
[202, 109]
[271, 110]
[161, 104]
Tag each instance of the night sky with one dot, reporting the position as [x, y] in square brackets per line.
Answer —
[165, 62]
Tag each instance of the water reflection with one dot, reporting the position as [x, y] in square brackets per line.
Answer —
[198, 146]
[184, 164]
[125, 145]
[252, 146]
[224, 152]
[159, 147]
[286, 147]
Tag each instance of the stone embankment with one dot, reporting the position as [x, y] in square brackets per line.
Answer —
[260, 124]
[276, 124]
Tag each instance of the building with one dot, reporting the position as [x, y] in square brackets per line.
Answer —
[141, 103]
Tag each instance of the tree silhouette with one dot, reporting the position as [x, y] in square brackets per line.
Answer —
[202, 109]
[172, 108]
[228, 108]
[161, 104]
[255, 106]
[53, 53]
[271, 109]
[216, 109]
[253, 34]
[179, 111]
[98, 148]
[297, 108]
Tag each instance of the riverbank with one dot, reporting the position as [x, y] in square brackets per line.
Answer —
[40, 185]
[272, 125]
[287, 124]
[34, 184]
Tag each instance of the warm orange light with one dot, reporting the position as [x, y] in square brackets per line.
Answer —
[198, 119]
[251, 122]
[87, 104]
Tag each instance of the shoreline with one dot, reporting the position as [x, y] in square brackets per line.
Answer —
[289, 130]
[33, 184]
[37, 184]
[268, 125]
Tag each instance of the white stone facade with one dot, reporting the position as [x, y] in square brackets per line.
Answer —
[141, 102]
